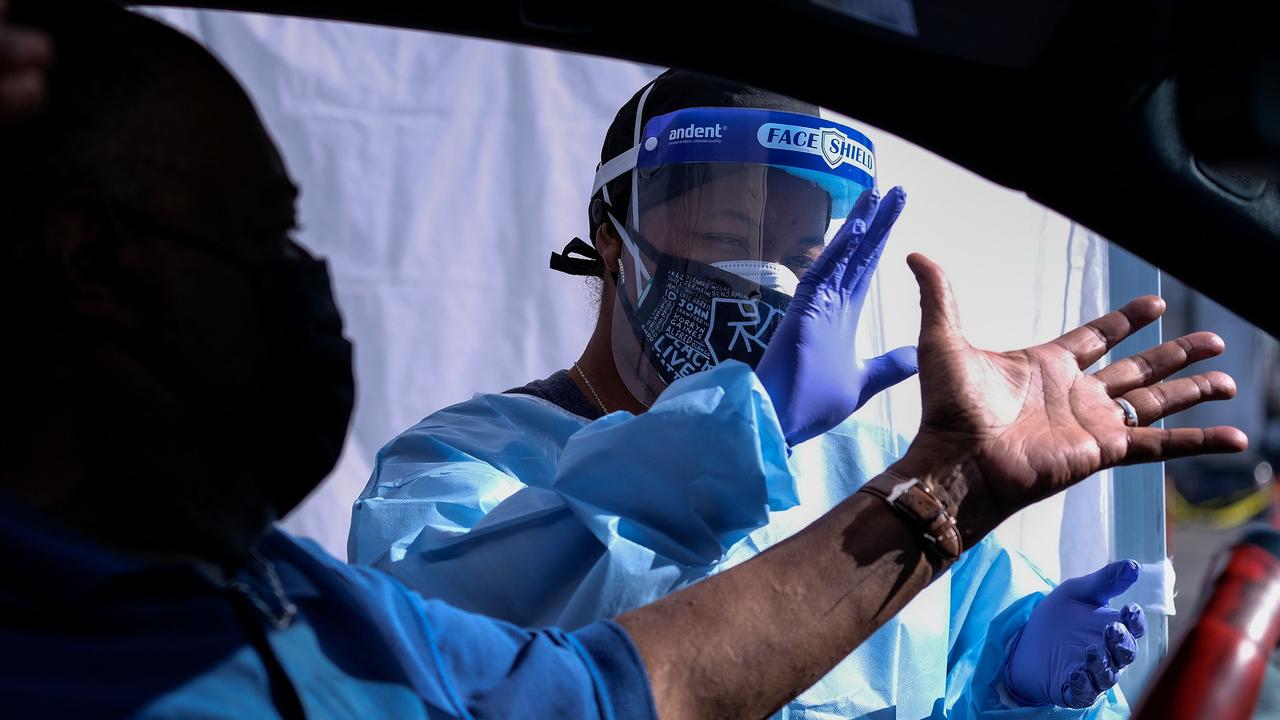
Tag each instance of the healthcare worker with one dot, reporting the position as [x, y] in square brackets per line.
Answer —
[593, 491]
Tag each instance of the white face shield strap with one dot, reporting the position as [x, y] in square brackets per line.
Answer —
[834, 157]
[728, 208]
[609, 171]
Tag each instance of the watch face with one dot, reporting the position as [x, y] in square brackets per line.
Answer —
[917, 504]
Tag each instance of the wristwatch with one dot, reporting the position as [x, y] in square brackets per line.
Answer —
[916, 503]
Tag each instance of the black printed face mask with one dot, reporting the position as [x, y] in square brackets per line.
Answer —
[693, 316]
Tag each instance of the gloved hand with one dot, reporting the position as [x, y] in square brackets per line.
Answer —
[808, 368]
[1074, 645]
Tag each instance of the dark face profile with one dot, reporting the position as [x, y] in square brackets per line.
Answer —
[202, 383]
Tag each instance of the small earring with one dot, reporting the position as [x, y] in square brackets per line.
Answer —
[622, 273]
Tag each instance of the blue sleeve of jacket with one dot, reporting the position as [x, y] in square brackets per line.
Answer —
[687, 479]
[993, 592]
[570, 522]
[470, 666]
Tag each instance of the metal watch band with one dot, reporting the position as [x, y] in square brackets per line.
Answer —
[919, 506]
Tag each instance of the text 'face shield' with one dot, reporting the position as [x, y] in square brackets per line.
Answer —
[729, 207]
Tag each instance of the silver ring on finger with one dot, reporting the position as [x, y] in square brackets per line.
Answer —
[1130, 413]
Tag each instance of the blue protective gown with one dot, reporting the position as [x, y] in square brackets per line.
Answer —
[511, 506]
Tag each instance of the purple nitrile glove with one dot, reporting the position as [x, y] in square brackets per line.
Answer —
[808, 368]
[1074, 645]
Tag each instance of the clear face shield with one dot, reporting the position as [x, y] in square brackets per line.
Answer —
[729, 207]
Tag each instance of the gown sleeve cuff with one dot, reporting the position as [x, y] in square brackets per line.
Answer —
[622, 685]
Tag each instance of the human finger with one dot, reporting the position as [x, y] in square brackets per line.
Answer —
[938, 309]
[1099, 586]
[888, 370]
[1089, 342]
[835, 256]
[1079, 691]
[1168, 398]
[1135, 619]
[1098, 664]
[1148, 444]
[1157, 363]
[1121, 645]
[866, 257]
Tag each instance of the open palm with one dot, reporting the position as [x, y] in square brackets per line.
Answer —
[1028, 423]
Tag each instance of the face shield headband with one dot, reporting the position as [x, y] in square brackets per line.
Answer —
[693, 309]
[833, 156]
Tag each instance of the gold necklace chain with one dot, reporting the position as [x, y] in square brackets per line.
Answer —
[585, 380]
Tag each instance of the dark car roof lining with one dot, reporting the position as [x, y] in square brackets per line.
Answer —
[1077, 106]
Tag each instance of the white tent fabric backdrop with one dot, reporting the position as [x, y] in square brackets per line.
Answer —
[439, 172]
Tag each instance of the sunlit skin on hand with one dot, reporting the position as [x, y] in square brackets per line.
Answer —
[1025, 424]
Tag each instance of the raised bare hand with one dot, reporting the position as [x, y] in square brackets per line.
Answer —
[1019, 426]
